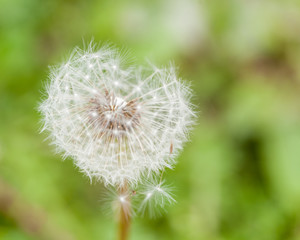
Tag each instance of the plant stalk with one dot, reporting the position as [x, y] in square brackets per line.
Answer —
[125, 219]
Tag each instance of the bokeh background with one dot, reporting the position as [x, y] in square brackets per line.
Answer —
[238, 178]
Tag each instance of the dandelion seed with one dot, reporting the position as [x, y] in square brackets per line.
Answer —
[155, 196]
[113, 202]
[122, 199]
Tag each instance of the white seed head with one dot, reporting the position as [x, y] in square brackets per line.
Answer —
[119, 123]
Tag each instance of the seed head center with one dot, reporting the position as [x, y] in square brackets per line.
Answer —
[113, 116]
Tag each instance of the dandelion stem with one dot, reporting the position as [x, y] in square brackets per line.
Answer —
[124, 215]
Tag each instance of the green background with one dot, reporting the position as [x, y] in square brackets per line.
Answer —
[238, 177]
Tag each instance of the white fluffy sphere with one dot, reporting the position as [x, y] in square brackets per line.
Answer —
[117, 123]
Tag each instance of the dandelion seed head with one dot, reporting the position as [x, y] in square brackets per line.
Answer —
[116, 122]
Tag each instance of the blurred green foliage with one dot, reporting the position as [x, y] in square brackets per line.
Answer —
[238, 178]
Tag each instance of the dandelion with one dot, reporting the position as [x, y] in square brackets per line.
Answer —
[120, 124]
